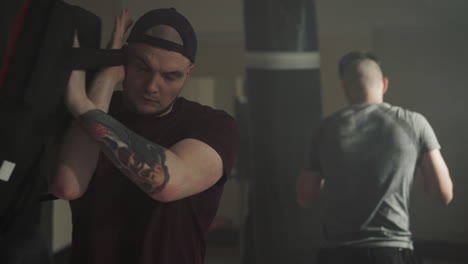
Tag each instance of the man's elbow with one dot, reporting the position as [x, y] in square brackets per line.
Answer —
[447, 199]
[167, 194]
[304, 199]
[178, 188]
[174, 191]
[163, 197]
[446, 196]
[446, 190]
[65, 192]
[304, 203]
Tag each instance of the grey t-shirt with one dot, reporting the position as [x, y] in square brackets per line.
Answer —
[368, 154]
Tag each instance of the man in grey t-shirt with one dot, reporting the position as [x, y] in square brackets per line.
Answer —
[365, 157]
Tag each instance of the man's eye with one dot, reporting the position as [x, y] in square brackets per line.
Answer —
[170, 77]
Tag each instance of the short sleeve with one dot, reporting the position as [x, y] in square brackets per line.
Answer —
[427, 138]
[220, 131]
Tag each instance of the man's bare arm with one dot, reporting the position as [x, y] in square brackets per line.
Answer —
[308, 187]
[79, 153]
[436, 177]
[189, 167]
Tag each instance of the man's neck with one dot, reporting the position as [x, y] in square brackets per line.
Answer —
[367, 100]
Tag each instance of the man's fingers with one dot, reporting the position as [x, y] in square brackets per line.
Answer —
[129, 24]
[77, 75]
[121, 24]
[125, 22]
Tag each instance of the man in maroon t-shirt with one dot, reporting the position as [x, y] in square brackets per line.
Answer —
[153, 195]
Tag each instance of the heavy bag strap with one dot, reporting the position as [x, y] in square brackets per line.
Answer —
[89, 58]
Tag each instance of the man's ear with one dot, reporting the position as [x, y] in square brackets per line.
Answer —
[190, 69]
[385, 85]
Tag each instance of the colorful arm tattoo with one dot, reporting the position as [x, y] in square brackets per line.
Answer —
[138, 158]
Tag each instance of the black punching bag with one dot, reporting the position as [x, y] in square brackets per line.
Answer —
[36, 41]
[284, 108]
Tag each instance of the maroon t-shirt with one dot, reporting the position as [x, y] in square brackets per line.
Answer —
[116, 222]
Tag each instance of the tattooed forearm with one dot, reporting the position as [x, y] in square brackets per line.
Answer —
[138, 158]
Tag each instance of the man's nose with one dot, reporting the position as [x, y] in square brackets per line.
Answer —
[154, 84]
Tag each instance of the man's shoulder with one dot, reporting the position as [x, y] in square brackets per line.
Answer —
[340, 114]
[354, 114]
[407, 114]
[382, 108]
[406, 117]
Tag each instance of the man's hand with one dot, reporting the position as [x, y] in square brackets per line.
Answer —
[76, 98]
[79, 153]
[121, 24]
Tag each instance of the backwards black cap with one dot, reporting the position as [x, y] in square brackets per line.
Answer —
[169, 17]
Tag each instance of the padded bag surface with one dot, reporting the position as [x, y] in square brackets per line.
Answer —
[32, 115]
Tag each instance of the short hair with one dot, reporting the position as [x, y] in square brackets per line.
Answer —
[165, 32]
[355, 57]
[165, 28]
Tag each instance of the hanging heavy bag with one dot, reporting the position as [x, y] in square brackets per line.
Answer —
[37, 62]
